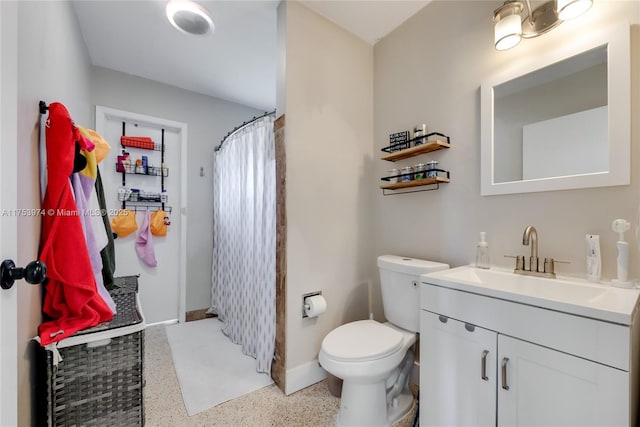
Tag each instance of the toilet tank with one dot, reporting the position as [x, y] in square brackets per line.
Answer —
[400, 285]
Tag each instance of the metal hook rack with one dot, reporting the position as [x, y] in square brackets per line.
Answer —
[145, 207]
[161, 174]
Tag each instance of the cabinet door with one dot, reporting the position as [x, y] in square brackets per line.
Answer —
[538, 386]
[457, 373]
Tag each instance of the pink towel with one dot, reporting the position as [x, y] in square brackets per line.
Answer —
[144, 243]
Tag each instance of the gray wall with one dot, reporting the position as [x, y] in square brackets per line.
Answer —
[421, 79]
[208, 120]
[53, 65]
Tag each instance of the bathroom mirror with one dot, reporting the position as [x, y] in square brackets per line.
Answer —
[560, 121]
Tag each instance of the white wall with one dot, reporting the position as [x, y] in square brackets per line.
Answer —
[329, 152]
[429, 70]
[208, 120]
[53, 65]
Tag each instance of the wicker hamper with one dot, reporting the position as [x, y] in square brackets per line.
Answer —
[99, 379]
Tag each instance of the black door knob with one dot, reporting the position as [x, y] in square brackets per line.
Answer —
[35, 272]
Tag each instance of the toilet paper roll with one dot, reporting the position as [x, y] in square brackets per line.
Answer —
[315, 305]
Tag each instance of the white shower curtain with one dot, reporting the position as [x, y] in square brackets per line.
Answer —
[243, 274]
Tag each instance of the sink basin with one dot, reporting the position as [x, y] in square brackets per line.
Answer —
[568, 295]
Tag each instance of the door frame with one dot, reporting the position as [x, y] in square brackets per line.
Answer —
[105, 113]
[8, 200]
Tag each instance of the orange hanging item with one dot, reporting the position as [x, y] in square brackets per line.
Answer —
[159, 220]
[124, 223]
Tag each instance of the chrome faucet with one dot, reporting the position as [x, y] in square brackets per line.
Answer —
[530, 233]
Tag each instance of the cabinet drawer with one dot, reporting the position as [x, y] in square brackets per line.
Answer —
[591, 339]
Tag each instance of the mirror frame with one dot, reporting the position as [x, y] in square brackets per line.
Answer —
[617, 40]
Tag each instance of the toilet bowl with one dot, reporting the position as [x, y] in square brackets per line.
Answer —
[365, 354]
[375, 359]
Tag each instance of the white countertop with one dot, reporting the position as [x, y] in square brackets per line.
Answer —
[568, 295]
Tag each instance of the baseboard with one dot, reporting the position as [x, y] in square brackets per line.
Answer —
[198, 315]
[303, 376]
[164, 322]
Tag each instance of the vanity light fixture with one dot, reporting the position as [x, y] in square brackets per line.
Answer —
[510, 27]
[189, 17]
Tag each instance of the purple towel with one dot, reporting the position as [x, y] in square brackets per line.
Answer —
[144, 242]
[82, 188]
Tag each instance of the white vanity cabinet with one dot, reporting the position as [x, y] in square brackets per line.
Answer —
[538, 386]
[457, 373]
[490, 361]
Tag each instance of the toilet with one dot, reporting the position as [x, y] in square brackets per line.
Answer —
[375, 359]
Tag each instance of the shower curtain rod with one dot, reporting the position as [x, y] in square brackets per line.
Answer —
[241, 126]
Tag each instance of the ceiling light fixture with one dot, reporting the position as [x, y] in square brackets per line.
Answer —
[189, 17]
[510, 27]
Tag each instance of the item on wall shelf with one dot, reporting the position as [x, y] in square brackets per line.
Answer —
[123, 194]
[407, 174]
[399, 141]
[420, 171]
[122, 163]
[139, 168]
[419, 132]
[393, 175]
[143, 142]
[432, 169]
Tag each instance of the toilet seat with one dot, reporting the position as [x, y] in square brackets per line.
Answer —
[362, 341]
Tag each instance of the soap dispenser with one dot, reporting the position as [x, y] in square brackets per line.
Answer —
[482, 251]
[622, 281]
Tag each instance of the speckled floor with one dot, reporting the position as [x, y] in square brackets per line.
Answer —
[313, 406]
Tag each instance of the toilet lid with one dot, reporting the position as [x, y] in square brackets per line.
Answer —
[361, 340]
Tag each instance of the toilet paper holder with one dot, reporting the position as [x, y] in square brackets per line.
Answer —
[305, 306]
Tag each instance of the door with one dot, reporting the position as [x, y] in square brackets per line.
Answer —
[161, 288]
[8, 178]
[538, 386]
[457, 373]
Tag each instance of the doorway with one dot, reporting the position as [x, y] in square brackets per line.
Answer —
[162, 289]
